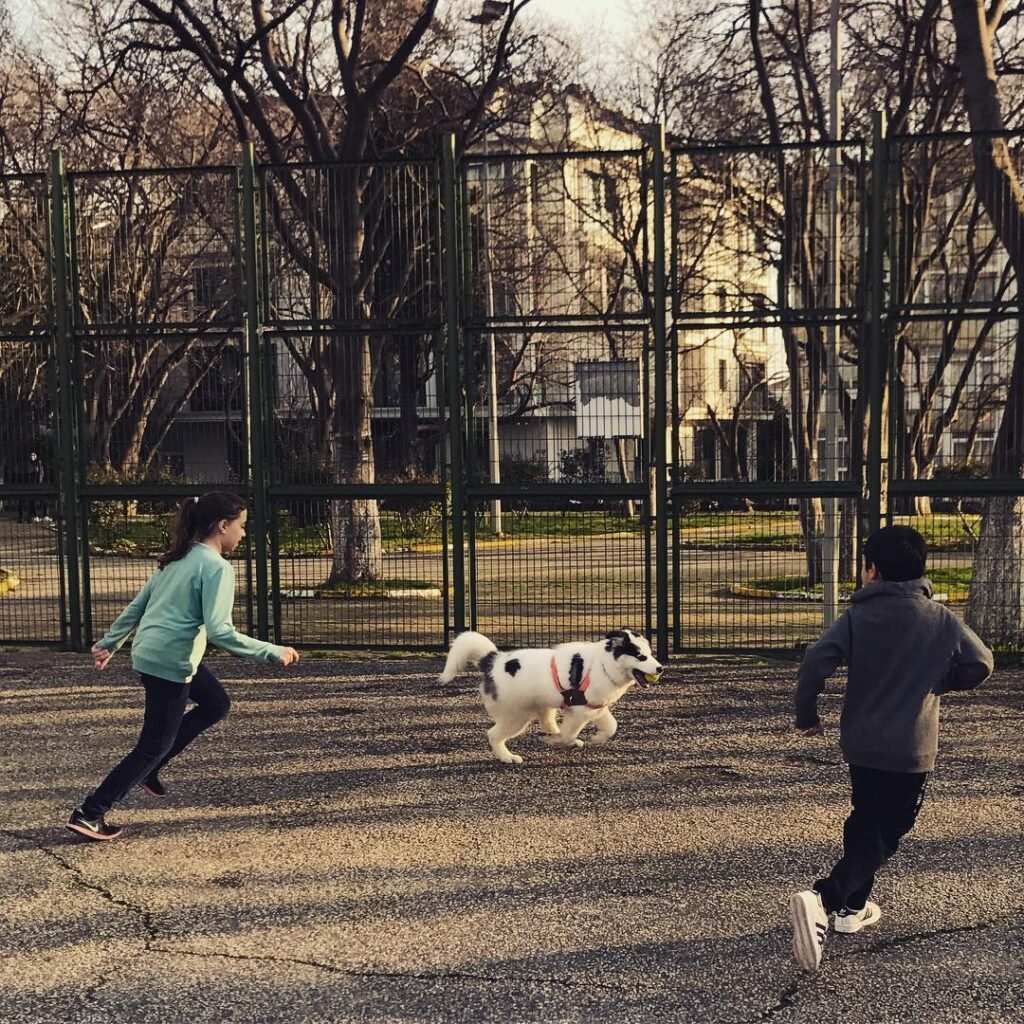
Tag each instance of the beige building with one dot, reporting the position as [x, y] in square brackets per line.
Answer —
[570, 237]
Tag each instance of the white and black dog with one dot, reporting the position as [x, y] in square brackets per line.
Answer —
[583, 680]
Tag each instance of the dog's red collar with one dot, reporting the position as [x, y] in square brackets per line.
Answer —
[574, 696]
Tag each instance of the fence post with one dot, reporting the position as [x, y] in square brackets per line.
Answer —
[67, 421]
[673, 407]
[256, 410]
[875, 483]
[660, 399]
[454, 377]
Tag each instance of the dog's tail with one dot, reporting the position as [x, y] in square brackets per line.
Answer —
[467, 649]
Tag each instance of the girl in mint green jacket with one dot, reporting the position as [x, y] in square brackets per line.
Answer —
[186, 603]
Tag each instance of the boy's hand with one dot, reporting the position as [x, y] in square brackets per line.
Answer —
[289, 656]
[811, 730]
[100, 657]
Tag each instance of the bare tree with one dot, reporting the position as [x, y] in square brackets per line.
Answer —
[996, 607]
[347, 81]
[936, 364]
[758, 70]
[152, 249]
[143, 241]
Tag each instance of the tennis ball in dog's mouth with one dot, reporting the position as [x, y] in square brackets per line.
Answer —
[652, 677]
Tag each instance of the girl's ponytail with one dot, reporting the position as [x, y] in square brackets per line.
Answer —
[195, 520]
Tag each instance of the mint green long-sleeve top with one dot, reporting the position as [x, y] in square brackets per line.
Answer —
[181, 608]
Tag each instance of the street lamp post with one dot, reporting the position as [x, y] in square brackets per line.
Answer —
[491, 11]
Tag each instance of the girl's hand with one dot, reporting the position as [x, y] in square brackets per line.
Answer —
[100, 657]
[289, 656]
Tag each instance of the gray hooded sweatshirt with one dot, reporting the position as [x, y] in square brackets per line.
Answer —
[903, 651]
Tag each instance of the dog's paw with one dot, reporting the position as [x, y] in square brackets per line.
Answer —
[514, 759]
[598, 740]
[554, 739]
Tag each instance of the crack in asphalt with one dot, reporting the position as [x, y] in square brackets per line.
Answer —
[905, 940]
[152, 935]
[395, 975]
[79, 878]
[786, 1000]
[722, 769]
[91, 993]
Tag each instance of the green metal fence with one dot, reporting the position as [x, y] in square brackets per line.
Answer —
[30, 467]
[766, 290]
[537, 394]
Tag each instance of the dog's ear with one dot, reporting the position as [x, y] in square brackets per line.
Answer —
[620, 641]
[614, 639]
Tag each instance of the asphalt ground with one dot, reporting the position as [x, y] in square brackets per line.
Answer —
[344, 848]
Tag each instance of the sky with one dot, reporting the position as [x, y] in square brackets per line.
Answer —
[586, 16]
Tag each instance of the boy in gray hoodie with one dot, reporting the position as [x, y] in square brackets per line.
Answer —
[903, 651]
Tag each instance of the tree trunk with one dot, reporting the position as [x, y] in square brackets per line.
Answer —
[994, 607]
[848, 568]
[625, 474]
[812, 525]
[796, 225]
[355, 523]
[921, 471]
[410, 453]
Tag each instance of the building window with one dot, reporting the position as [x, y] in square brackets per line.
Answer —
[596, 194]
[723, 374]
[216, 378]
[984, 371]
[988, 285]
[214, 292]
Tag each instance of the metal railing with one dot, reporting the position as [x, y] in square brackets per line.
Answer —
[541, 395]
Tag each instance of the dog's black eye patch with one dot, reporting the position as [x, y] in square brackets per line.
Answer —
[621, 644]
[512, 666]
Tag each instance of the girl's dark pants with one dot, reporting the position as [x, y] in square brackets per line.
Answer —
[166, 731]
[885, 807]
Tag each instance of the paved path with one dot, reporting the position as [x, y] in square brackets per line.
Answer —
[343, 849]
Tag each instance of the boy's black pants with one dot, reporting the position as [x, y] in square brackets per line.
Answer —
[885, 807]
[166, 731]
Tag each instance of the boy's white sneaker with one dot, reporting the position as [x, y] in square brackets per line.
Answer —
[810, 926]
[850, 921]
